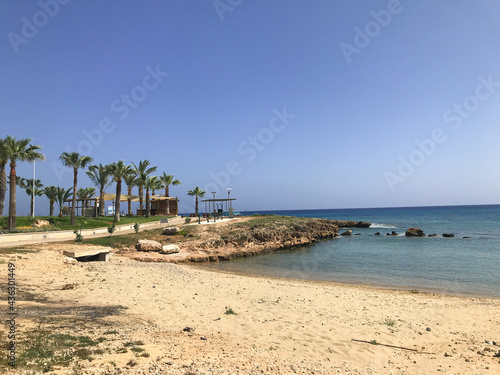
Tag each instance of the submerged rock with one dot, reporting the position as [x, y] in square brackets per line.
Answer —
[377, 234]
[433, 235]
[448, 235]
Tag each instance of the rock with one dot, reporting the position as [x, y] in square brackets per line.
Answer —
[428, 329]
[433, 235]
[41, 223]
[346, 233]
[377, 234]
[466, 237]
[495, 343]
[355, 224]
[497, 354]
[170, 231]
[357, 234]
[448, 235]
[188, 329]
[415, 232]
[148, 245]
[391, 234]
[69, 260]
[170, 249]
[203, 338]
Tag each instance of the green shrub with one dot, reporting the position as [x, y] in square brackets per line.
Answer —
[187, 220]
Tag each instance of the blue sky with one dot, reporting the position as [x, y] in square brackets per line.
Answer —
[292, 104]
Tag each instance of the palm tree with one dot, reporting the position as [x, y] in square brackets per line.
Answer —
[18, 150]
[51, 194]
[27, 185]
[197, 192]
[119, 171]
[99, 175]
[151, 182]
[130, 181]
[85, 194]
[61, 197]
[166, 181]
[76, 161]
[3, 177]
[142, 172]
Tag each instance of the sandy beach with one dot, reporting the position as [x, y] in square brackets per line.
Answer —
[177, 314]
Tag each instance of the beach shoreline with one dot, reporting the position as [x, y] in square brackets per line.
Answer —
[284, 326]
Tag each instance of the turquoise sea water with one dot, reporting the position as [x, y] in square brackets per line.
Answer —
[447, 265]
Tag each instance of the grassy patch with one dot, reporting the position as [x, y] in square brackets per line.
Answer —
[13, 250]
[44, 352]
[81, 222]
[229, 311]
[389, 322]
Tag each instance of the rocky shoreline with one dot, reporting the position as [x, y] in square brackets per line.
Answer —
[244, 238]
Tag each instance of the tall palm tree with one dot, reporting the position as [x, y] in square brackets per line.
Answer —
[76, 161]
[167, 180]
[197, 192]
[61, 197]
[119, 171]
[51, 193]
[27, 185]
[142, 171]
[151, 182]
[84, 194]
[18, 150]
[130, 181]
[3, 177]
[99, 175]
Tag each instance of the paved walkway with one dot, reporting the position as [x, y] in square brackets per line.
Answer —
[20, 239]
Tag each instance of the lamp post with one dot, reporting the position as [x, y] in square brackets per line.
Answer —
[33, 189]
[228, 200]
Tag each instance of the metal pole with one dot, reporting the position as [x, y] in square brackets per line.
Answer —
[33, 189]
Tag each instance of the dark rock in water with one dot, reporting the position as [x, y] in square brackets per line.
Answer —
[357, 234]
[350, 224]
[433, 235]
[391, 234]
[346, 233]
[415, 232]
[363, 224]
[377, 234]
[448, 235]
[466, 237]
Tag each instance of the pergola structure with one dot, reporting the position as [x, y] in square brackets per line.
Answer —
[214, 202]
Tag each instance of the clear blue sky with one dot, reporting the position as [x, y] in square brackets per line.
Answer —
[196, 86]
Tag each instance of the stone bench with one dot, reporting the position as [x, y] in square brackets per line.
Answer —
[100, 254]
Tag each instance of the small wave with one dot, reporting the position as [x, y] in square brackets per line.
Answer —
[375, 225]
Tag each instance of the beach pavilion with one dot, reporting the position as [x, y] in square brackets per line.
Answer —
[215, 206]
[160, 205]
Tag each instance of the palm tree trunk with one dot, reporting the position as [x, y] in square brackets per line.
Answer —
[101, 203]
[51, 208]
[148, 208]
[12, 197]
[168, 202]
[129, 200]
[73, 207]
[3, 188]
[117, 199]
[196, 207]
[31, 206]
[141, 192]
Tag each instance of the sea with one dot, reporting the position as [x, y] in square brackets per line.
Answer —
[467, 264]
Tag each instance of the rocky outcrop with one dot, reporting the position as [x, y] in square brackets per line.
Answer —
[377, 234]
[346, 233]
[433, 235]
[415, 232]
[351, 224]
[170, 231]
[148, 245]
[391, 234]
[448, 235]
